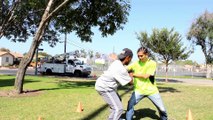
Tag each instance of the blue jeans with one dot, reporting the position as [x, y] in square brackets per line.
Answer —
[156, 100]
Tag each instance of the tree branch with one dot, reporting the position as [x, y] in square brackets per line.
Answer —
[56, 10]
[10, 17]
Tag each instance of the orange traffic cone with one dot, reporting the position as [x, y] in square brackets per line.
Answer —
[39, 118]
[79, 108]
[189, 115]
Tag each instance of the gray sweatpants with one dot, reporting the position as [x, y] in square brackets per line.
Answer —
[114, 101]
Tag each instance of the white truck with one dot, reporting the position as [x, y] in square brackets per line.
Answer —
[69, 67]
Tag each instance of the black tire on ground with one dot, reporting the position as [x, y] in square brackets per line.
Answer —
[48, 71]
[77, 73]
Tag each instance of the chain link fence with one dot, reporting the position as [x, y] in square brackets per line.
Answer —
[183, 70]
[174, 70]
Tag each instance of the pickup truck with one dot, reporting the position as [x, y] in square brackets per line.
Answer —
[69, 67]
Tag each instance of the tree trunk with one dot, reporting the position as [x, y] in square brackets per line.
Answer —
[22, 70]
[28, 58]
[166, 72]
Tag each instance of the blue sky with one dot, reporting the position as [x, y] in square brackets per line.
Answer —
[144, 16]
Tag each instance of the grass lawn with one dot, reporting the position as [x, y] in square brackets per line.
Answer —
[57, 98]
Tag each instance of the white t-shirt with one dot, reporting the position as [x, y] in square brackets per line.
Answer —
[116, 74]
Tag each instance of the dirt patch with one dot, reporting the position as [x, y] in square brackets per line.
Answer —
[12, 93]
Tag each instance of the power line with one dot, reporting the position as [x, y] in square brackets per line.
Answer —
[75, 44]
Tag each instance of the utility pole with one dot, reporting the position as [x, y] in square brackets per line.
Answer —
[65, 43]
[36, 62]
[65, 50]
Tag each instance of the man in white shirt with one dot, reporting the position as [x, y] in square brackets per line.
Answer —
[106, 85]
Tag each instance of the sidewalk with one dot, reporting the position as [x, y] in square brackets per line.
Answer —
[7, 68]
[194, 81]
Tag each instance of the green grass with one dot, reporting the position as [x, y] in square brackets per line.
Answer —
[57, 99]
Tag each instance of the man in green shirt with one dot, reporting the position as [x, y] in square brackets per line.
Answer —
[144, 84]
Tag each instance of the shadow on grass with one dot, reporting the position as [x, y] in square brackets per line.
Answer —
[99, 110]
[69, 85]
[11, 81]
[161, 89]
[143, 113]
[87, 84]
[146, 112]
[167, 89]
[65, 85]
[7, 82]
[61, 84]
[75, 84]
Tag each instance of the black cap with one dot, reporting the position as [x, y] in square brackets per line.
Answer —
[125, 52]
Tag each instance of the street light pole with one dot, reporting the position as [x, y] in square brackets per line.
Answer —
[65, 47]
[36, 69]
[36, 62]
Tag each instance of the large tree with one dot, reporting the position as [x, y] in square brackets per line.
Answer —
[45, 20]
[201, 34]
[165, 45]
[4, 50]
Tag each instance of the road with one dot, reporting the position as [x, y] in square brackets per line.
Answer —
[6, 71]
[201, 82]
[193, 81]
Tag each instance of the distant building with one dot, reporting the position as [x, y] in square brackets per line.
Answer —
[17, 57]
[10, 58]
[6, 58]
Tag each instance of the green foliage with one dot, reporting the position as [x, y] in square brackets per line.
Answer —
[83, 53]
[186, 62]
[20, 19]
[164, 44]
[90, 53]
[44, 54]
[97, 55]
[46, 19]
[201, 34]
[4, 50]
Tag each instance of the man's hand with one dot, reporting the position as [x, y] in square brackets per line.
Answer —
[131, 75]
[130, 71]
